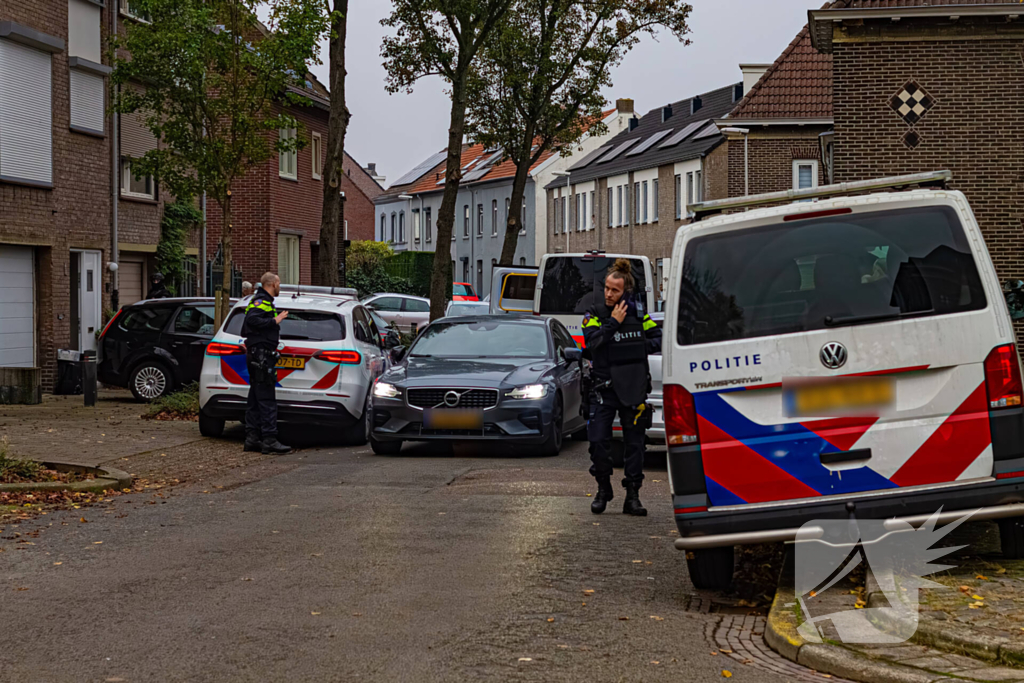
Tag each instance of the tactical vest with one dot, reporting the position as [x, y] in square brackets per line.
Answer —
[627, 357]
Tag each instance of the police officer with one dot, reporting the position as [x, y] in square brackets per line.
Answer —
[262, 331]
[157, 290]
[618, 339]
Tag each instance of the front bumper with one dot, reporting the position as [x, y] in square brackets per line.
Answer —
[522, 421]
[320, 413]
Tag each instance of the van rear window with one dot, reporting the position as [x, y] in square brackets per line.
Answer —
[574, 284]
[838, 271]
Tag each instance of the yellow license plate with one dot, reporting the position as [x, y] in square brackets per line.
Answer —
[842, 397]
[453, 418]
[291, 363]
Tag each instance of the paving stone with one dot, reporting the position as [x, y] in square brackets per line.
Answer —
[992, 673]
[934, 662]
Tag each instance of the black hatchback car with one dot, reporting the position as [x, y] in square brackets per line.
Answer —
[153, 347]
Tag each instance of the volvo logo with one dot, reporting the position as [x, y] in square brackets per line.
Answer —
[451, 399]
[833, 355]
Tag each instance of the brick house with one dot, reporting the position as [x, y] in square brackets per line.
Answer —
[630, 195]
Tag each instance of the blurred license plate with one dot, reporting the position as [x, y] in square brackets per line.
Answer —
[838, 397]
[453, 418]
[291, 363]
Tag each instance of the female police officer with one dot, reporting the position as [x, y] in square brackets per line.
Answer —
[618, 340]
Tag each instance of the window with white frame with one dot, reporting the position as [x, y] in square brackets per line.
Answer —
[383, 228]
[679, 196]
[316, 155]
[465, 221]
[416, 225]
[494, 218]
[618, 205]
[576, 219]
[428, 228]
[635, 215]
[141, 187]
[646, 216]
[591, 217]
[654, 200]
[287, 160]
[479, 220]
[584, 216]
[698, 190]
[805, 174]
[689, 189]
[565, 213]
[288, 259]
[608, 207]
[394, 227]
[401, 227]
[131, 9]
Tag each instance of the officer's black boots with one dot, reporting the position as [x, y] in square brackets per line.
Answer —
[603, 495]
[632, 504]
[253, 444]
[272, 446]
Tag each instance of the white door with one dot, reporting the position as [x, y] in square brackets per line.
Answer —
[90, 286]
[17, 307]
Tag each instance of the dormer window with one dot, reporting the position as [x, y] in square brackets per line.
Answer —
[695, 104]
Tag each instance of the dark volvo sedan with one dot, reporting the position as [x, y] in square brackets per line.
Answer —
[503, 378]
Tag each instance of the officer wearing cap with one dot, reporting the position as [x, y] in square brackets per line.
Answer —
[618, 337]
[157, 290]
[262, 332]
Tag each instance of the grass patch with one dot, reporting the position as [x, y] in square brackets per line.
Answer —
[181, 405]
[13, 469]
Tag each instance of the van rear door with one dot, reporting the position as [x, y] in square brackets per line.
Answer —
[839, 353]
[513, 289]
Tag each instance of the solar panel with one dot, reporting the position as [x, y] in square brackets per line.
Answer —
[707, 132]
[649, 142]
[683, 134]
[418, 172]
[590, 157]
[618, 150]
[476, 174]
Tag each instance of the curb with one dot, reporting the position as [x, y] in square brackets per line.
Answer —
[961, 639]
[105, 478]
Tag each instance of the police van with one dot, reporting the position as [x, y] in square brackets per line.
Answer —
[847, 355]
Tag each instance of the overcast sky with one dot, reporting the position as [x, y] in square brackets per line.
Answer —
[399, 131]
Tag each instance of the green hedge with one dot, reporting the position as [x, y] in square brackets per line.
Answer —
[414, 268]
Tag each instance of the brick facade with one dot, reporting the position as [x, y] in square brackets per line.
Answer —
[771, 156]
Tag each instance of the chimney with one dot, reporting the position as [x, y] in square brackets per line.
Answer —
[633, 123]
[752, 74]
[371, 170]
[666, 113]
[695, 104]
[624, 106]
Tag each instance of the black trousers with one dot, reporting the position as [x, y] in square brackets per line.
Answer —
[261, 409]
[599, 433]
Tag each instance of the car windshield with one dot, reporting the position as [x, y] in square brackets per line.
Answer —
[299, 325]
[463, 290]
[469, 308]
[828, 272]
[482, 339]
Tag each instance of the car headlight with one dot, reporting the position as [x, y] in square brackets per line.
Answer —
[385, 390]
[530, 391]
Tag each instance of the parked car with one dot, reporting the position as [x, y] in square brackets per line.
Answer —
[331, 354]
[656, 433]
[460, 308]
[404, 311]
[508, 379]
[154, 347]
[888, 309]
[463, 291]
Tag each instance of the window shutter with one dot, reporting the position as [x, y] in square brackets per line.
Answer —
[86, 101]
[136, 138]
[26, 118]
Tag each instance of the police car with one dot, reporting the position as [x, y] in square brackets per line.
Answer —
[851, 355]
[331, 354]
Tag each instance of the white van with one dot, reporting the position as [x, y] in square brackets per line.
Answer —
[846, 356]
[569, 284]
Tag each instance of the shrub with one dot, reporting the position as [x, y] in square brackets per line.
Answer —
[13, 468]
[181, 405]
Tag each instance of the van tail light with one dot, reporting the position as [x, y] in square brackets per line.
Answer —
[343, 357]
[1002, 377]
[222, 349]
[680, 416]
[110, 322]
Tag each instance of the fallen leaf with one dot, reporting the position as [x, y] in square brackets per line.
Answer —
[638, 561]
[657, 618]
[21, 588]
[623, 618]
[315, 614]
[714, 654]
[965, 589]
[57, 563]
[588, 591]
[83, 520]
[1001, 570]
[97, 542]
[357, 614]
[584, 604]
[525, 659]
[728, 652]
[976, 605]
[813, 593]
[246, 578]
[726, 673]
[983, 578]
[655, 662]
[977, 597]
[597, 523]
[550, 619]
[440, 513]
[656, 481]
[589, 495]
[563, 647]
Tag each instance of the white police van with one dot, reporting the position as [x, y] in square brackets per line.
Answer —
[331, 354]
[848, 355]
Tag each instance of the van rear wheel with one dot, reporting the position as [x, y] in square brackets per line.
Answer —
[1011, 537]
[710, 568]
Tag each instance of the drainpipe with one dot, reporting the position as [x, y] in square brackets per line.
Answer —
[115, 184]
[202, 251]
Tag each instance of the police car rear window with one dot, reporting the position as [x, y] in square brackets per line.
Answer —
[298, 326]
[574, 284]
[838, 271]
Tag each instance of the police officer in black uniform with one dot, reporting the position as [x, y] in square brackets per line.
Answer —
[262, 331]
[618, 339]
[158, 290]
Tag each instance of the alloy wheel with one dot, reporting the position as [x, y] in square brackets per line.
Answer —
[150, 382]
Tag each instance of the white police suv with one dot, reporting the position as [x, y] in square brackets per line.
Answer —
[847, 356]
[331, 354]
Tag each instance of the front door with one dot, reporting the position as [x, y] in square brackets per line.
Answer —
[87, 286]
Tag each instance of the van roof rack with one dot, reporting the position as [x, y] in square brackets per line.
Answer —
[937, 179]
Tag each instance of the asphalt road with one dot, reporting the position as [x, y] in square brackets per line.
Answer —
[336, 564]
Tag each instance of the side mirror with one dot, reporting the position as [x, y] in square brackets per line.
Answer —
[392, 339]
[397, 354]
[573, 355]
[1013, 292]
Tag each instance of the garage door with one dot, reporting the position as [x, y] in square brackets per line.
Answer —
[17, 307]
[130, 279]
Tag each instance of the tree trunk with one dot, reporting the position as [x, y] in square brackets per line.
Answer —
[223, 304]
[331, 219]
[441, 279]
[515, 208]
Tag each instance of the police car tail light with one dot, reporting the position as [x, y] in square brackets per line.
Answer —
[1002, 378]
[344, 357]
[680, 416]
[221, 349]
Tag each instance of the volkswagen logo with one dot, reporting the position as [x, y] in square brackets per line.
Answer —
[833, 355]
[451, 399]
